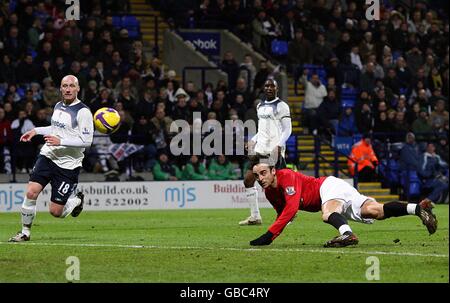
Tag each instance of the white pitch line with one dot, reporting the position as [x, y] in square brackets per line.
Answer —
[331, 250]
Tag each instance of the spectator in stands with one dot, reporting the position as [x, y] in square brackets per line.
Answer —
[315, 91]
[220, 107]
[26, 70]
[422, 127]
[344, 47]
[348, 73]
[122, 133]
[248, 70]
[7, 70]
[414, 113]
[328, 114]
[439, 117]
[367, 81]
[195, 169]
[14, 45]
[6, 138]
[142, 134]
[347, 124]
[442, 148]
[103, 100]
[362, 153]
[239, 105]
[25, 152]
[366, 46]
[145, 106]
[263, 28]
[241, 89]
[382, 125]
[433, 174]
[332, 69]
[126, 83]
[332, 34]
[221, 169]
[378, 69]
[289, 25]
[410, 154]
[437, 94]
[181, 110]
[299, 53]
[355, 58]
[102, 159]
[261, 77]
[231, 67]
[164, 170]
[321, 51]
[364, 117]
[251, 113]
[238, 17]
[91, 93]
[161, 124]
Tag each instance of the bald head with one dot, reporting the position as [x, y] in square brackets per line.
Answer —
[69, 88]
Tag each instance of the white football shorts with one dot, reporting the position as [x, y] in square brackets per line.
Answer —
[337, 189]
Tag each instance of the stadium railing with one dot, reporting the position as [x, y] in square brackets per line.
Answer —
[202, 70]
[335, 162]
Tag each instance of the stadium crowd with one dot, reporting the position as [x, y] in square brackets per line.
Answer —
[397, 69]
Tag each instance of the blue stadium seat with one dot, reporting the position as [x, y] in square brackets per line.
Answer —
[2, 92]
[348, 103]
[411, 183]
[279, 47]
[117, 21]
[133, 34]
[130, 22]
[21, 91]
[12, 5]
[389, 169]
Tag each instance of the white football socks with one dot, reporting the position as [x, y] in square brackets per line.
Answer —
[411, 208]
[70, 205]
[344, 228]
[28, 213]
[252, 198]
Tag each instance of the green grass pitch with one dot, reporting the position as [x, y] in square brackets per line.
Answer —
[209, 246]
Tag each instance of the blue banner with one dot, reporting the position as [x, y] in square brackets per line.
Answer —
[207, 43]
[343, 144]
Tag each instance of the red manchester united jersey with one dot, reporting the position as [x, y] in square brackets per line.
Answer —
[295, 191]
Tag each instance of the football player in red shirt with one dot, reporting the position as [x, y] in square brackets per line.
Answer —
[290, 191]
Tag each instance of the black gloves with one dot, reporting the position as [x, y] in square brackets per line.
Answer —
[265, 239]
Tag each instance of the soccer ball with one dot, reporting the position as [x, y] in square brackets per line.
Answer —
[106, 120]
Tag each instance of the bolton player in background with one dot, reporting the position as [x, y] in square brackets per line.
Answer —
[274, 129]
[60, 159]
[290, 191]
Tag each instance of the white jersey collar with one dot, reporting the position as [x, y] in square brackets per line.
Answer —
[274, 100]
[76, 101]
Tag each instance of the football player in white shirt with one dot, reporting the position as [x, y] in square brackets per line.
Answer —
[274, 129]
[59, 162]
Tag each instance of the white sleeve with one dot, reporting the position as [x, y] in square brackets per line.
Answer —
[284, 114]
[46, 130]
[283, 111]
[286, 127]
[86, 130]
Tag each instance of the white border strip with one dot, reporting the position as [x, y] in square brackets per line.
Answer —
[329, 250]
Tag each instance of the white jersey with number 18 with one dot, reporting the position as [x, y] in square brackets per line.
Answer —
[69, 123]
